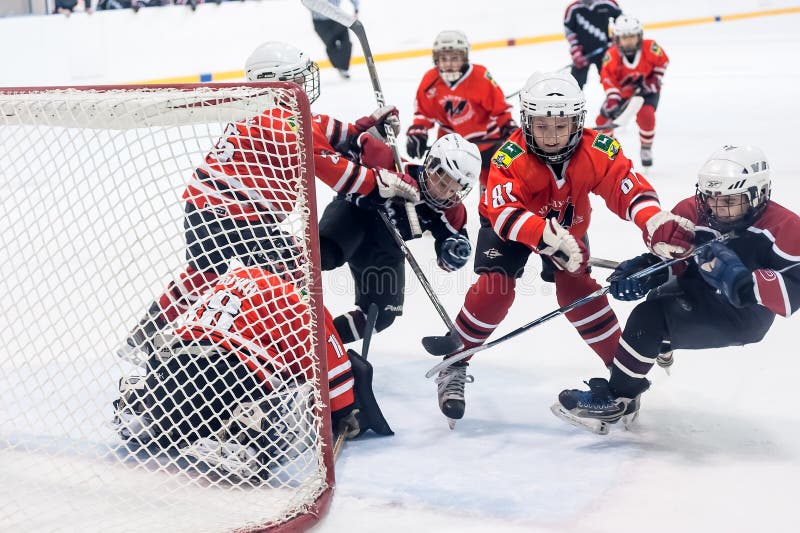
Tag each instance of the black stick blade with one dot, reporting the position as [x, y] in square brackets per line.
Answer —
[441, 345]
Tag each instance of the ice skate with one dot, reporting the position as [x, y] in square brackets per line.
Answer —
[227, 456]
[596, 408]
[141, 341]
[451, 382]
[647, 156]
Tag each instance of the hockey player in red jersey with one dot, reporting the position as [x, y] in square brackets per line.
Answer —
[586, 28]
[633, 66]
[459, 97]
[728, 295]
[537, 200]
[231, 386]
[247, 183]
[354, 234]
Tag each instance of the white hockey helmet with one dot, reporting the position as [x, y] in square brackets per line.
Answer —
[733, 170]
[451, 40]
[277, 61]
[452, 167]
[552, 94]
[625, 26]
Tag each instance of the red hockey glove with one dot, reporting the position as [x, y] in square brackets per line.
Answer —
[417, 142]
[668, 235]
[651, 84]
[578, 59]
[612, 106]
[567, 252]
[379, 119]
[374, 153]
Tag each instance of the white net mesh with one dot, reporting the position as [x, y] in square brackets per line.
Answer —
[159, 368]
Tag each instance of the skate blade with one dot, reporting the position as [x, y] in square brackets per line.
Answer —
[598, 427]
[629, 420]
[452, 423]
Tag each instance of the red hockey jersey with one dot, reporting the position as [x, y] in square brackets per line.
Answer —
[623, 76]
[474, 106]
[262, 319]
[522, 191]
[253, 169]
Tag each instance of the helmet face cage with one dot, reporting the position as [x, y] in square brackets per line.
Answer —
[438, 188]
[561, 155]
[626, 26]
[307, 77]
[451, 41]
[733, 188]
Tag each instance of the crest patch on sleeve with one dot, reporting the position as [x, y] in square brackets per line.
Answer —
[607, 145]
[506, 154]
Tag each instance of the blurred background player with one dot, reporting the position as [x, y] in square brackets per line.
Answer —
[537, 199]
[336, 38]
[727, 296]
[351, 232]
[247, 184]
[586, 28]
[241, 363]
[633, 66]
[459, 97]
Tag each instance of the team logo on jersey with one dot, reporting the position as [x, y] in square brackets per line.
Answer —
[606, 58]
[507, 154]
[490, 78]
[454, 108]
[655, 48]
[607, 145]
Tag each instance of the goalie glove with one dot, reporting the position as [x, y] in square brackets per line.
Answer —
[376, 123]
[393, 184]
[567, 252]
[668, 235]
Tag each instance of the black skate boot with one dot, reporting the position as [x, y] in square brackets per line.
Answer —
[596, 408]
[451, 382]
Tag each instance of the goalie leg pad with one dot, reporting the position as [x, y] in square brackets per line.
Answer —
[370, 415]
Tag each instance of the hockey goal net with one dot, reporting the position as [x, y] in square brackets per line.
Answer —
[93, 230]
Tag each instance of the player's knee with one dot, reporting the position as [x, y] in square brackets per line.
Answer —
[646, 328]
[331, 255]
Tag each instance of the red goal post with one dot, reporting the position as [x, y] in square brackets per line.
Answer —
[92, 220]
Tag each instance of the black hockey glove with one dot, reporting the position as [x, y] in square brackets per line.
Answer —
[723, 270]
[625, 288]
[454, 252]
[417, 142]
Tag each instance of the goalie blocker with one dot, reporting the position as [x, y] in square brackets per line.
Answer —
[227, 390]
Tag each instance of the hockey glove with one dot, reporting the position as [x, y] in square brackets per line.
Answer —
[366, 413]
[417, 142]
[376, 123]
[567, 252]
[374, 153]
[722, 269]
[624, 287]
[651, 84]
[612, 107]
[454, 252]
[578, 59]
[668, 235]
[393, 184]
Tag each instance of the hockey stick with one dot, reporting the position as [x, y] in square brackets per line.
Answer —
[460, 356]
[323, 7]
[603, 263]
[369, 327]
[630, 109]
[593, 53]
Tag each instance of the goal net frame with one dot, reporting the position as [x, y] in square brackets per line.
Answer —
[34, 371]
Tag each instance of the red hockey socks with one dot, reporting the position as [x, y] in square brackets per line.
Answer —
[486, 305]
[646, 119]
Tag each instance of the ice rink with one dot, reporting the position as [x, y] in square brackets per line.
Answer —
[716, 447]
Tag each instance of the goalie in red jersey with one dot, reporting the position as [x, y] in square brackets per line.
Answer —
[633, 66]
[232, 386]
[728, 295]
[459, 97]
[537, 200]
[248, 183]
